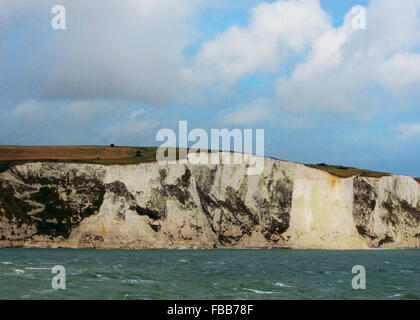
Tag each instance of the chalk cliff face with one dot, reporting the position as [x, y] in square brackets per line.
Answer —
[174, 205]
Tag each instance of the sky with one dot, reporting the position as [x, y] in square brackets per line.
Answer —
[323, 90]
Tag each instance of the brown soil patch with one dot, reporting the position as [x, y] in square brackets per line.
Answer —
[63, 152]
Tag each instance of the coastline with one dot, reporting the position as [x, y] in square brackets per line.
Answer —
[68, 245]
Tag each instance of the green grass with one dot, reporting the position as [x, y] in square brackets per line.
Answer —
[346, 172]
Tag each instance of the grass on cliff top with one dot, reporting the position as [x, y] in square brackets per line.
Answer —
[14, 155]
[65, 152]
[346, 172]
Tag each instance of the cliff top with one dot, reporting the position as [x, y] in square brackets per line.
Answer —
[346, 172]
[109, 155]
[106, 155]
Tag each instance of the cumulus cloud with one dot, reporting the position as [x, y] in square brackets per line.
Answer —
[347, 69]
[400, 71]
[341, 69]
[135, 52]
[275, 32]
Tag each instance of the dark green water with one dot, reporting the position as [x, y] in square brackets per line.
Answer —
[209, 274]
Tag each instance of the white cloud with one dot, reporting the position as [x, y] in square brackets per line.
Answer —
[134, 52]
[251, 113]
[275, 32]
[408, 130]
[135, 114]
[401, 70]
[346, 68]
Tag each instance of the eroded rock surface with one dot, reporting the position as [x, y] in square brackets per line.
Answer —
[175, 205]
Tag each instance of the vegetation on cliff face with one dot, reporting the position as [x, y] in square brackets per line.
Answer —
[398, 215]
[7, 164]
[364, 204]
[57, 217]
[401, 212]
[60, 217]
[11, 207]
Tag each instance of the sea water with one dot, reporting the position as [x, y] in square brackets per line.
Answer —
[208, 274]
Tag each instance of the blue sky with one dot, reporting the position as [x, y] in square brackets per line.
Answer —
[323, 90]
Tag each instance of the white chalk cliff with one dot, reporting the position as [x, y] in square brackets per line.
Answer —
[151, 205]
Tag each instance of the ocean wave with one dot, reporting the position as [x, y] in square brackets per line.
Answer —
[259, 291]
[102, 277]
[19, 271]
[130, 281]
[6, 262]
[43, 292]
[136, 281]
[283, 285]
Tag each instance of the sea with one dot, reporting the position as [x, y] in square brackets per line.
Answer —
[209, 274]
